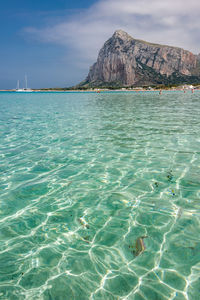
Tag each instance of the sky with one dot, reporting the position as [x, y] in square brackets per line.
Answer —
[55, 42]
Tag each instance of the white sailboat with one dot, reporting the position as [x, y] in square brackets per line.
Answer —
[18, 89]
[26, 89]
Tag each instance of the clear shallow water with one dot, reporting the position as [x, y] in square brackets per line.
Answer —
[83, 177]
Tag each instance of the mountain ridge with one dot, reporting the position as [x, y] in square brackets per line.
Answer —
[125, 61]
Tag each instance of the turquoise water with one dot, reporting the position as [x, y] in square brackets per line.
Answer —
[100, 196]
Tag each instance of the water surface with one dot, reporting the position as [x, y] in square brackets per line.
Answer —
[83, 177]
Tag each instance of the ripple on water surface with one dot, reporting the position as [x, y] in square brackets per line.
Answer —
[100, 196]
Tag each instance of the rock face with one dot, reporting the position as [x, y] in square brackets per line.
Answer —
[125, 61]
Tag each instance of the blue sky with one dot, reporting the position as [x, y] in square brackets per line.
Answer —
[20, 53]
[55, 41]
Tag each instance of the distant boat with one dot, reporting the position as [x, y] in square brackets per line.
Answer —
[18, 89]
[26, 89]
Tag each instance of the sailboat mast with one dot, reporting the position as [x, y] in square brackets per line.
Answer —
[25, 81]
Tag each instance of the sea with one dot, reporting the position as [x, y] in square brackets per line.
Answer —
[100, 195]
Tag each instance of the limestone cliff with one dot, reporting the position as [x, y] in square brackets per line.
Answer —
[125, 61]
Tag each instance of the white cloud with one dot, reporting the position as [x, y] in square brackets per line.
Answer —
[171, 22]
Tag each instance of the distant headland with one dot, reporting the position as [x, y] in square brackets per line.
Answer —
[127, 62]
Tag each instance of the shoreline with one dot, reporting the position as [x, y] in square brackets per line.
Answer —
[105, 90]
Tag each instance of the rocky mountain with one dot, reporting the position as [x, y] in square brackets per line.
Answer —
[125, 61]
